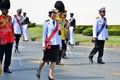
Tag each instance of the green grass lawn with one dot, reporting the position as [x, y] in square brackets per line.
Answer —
[36, 32]
[112, 39]
[116, 42]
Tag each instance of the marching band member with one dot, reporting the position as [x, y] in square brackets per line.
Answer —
[59, 5]
[65, 23]
[6, 35]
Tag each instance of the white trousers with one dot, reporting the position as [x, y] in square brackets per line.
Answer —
[71, 35]
[25, 32]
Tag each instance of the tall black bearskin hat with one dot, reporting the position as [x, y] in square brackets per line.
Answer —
[5, 4]
[59, 5]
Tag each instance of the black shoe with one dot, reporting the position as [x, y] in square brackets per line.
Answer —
[19, 52]
[37, 75]
[101, 62]
[90, 59]
[16, 50]
[7, 71]
[50, 78]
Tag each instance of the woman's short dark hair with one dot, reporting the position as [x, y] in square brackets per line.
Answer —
[50, 14]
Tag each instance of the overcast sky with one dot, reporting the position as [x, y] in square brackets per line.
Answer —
[85, 10]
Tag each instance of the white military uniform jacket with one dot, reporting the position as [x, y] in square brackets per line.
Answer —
[97, 26]
[48, 28]
[17, 27]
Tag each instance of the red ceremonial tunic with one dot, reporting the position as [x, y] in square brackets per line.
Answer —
[6, 30]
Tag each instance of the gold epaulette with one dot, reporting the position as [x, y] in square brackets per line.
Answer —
[97, 17]
[4, 22]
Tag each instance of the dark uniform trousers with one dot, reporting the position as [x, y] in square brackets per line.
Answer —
[99, 47]
[7, 50]
[64, 48]
[17, 39]
[62, 52]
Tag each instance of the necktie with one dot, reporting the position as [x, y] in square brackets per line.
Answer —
[54, 22]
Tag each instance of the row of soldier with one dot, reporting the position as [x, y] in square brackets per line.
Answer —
[12, 29]
[54, 36]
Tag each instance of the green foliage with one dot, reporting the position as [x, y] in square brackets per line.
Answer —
[79, 29]
[87, 32]
[114, 27]
[32, 25]
[114, 32]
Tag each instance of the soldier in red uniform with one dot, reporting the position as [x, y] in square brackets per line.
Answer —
[6, 35]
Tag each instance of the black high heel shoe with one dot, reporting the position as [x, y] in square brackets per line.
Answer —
[50, 78]
[37, 75]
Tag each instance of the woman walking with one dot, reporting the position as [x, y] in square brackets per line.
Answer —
[51, 43]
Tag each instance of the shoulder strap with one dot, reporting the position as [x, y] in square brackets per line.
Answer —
[52, 34]
[17, 20]
[47, 41]
[71, 20]
[101, 29]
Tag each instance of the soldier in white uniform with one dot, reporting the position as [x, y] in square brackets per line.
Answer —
[25, 27]
[72, 23]
[100, 34]
[17, 24]
[51, 45]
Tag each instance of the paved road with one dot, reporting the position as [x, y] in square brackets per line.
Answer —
[76, 67]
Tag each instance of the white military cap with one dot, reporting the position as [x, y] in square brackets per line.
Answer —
[102, 9]
[20, 9]
[53, 10]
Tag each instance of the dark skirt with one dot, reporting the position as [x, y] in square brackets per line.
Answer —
[51, 54]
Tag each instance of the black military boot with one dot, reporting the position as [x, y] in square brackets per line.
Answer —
[100, 61]
[6, 70]
[16, 49]
[90, 59]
